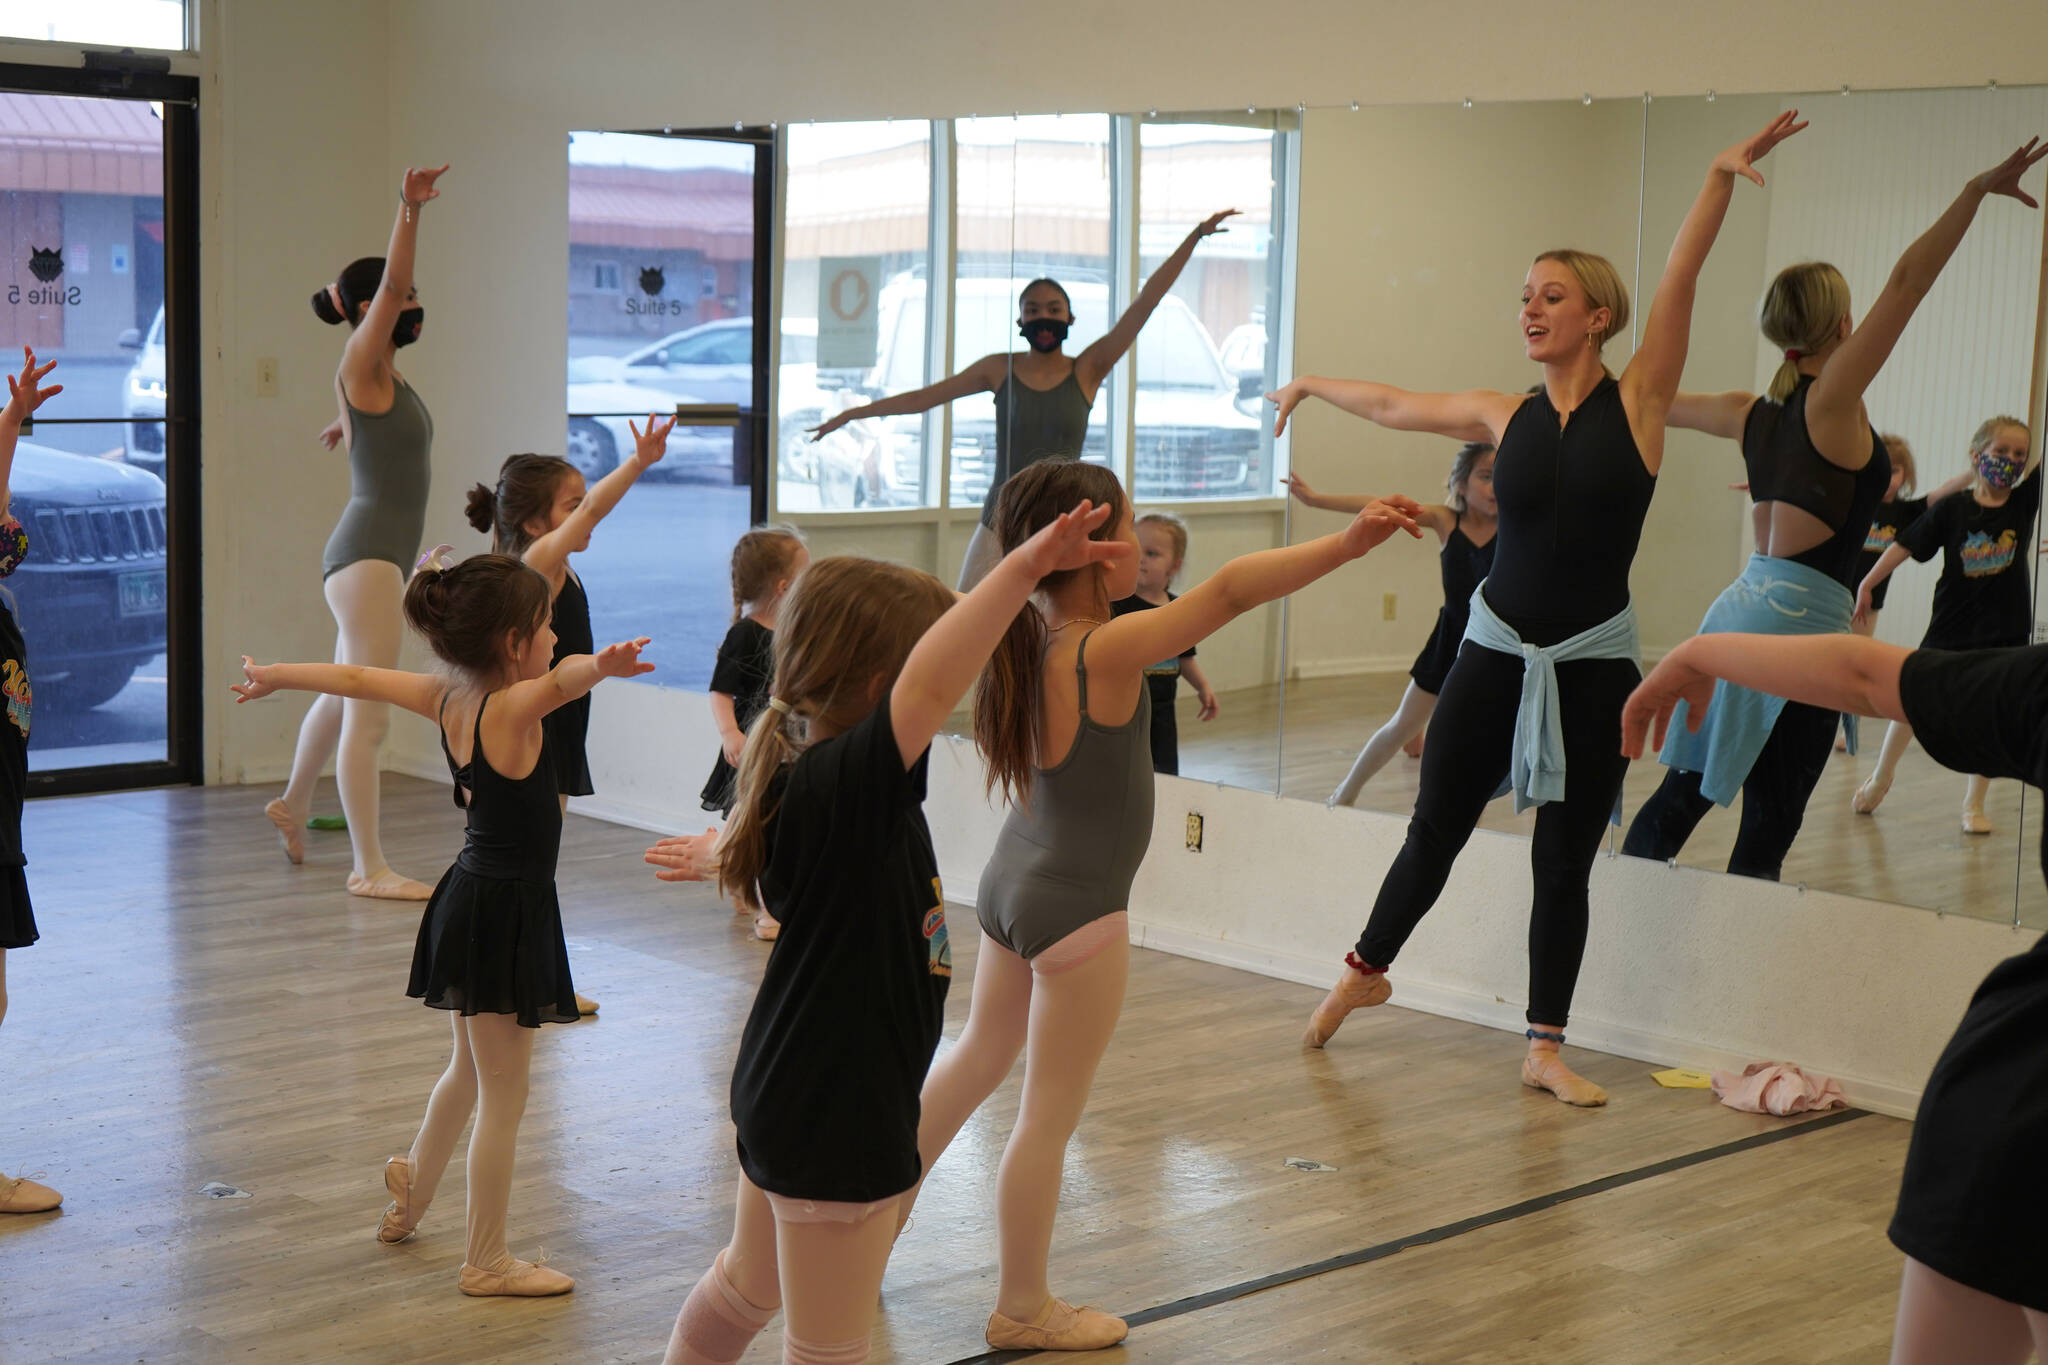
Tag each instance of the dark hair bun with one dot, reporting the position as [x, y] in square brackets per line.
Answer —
[483, 508]
[324, 309]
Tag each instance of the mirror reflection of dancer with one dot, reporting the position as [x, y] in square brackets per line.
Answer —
[390, 436]
[1042, 396]
[1981, 600]
[1062, 716]
[1972, 1201]
[1583, 452]
[1465, 524]
[490, 949]
[18, 1194]
[1817, 472]
[828, 831]
[1162, 551]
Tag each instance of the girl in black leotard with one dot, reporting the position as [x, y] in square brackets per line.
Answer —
[1465, 528]
[1817, 471]
[1575, 468]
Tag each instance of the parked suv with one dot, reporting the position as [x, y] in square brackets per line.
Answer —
[142, 397]
[90, 597]
[1197, 436]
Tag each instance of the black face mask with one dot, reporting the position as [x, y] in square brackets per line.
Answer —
[1044, 334]
[407, 330]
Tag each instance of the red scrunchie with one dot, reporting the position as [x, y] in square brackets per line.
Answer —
[1793, 355]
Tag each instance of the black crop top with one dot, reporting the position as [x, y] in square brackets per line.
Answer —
[1784, 466]
[1572, 503]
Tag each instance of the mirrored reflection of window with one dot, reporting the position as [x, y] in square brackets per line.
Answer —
[1034, 198]
[113, 23]
[1202, 359]
[856, 260]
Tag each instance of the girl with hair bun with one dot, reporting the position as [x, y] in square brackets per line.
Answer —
[1818, 471]
[490, 948]
[540, 512]
[389, 435]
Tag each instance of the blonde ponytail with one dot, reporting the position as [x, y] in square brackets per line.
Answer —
[1800, 313]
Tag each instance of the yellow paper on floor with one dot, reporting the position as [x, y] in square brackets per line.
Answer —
[1681, 1078]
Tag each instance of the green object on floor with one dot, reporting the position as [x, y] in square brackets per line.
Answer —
[328, 822]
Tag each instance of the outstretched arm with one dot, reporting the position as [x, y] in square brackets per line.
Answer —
[419, 693]
[1717, 414]
[363, 358]
[983, 376]
[551, 552]
[1887, 563]
[1143, 637]
[1851, 673]
[1475, 415]
[526, 702]
[1651, 380]
[24, 395]
[946, 661]
[1101, 356]
[1837, 395]
[1953, 486]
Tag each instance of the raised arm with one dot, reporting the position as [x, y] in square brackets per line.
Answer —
[1837, 396]
[1475, 415]
[1849, 673]
[947, 660]
[550, 553]
[1102, 355]
[1953, 486]
[1650, 382]
[362, 362]
[1142, 637]
[526, 702]
[983, 376]
[24, 395]
[1717, 414]
[419, 693]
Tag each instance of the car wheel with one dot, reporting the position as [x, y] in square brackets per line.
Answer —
[92, 684]
[591, 449]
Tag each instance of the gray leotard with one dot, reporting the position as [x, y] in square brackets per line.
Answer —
[1033, 425]
[1068, 855]
[388, 472]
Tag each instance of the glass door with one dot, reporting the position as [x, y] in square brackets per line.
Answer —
[96, 273]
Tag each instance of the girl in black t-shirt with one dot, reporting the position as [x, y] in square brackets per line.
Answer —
[1162, 550]
[1982, 599]
[1972, 1200]
[828, 832]
[18, 1194]
[765, 562]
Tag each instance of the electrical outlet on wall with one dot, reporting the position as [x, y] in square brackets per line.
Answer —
[1386, 606]
[1194, 832]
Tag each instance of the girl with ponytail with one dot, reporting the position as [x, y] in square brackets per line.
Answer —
[390, 436]
[1063, 721]
[541, 512]
[1818, 472]
[828, 833]
[490, 949]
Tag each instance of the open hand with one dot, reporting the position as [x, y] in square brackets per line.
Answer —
[1741, 159]
[418, 185]
[650, 445]
[685, 857]
[1649, 707]
[1063, 543]
[1866, 608]
[622, 660]
[1298, 486]
[1213, 223]
[1378, 520]
[1285, 398]
[330, 436]
[2004, 178]
[256, 687]
[1209, 707]
[829, 425]
[24, 395]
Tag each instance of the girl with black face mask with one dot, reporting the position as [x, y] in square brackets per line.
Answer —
[1043, 395]
[364, 566]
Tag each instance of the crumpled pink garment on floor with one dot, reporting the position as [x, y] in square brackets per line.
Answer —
[1777, 1088]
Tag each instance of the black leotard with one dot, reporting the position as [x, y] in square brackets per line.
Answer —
[1783, 466]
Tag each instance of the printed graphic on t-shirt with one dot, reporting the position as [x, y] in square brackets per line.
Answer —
[1983, 556]
[935, 933]
[1169, 669]
[20, 696]
[1880, 538]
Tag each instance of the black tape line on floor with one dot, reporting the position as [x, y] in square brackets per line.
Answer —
[1195, 1303]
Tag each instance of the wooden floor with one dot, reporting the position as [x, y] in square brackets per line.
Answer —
[200, 1011]
[1912, 851]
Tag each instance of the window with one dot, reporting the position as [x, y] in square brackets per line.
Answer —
[111, 23]
[1202, 359]
[857, 247]
[1034, 202]
[605, 277]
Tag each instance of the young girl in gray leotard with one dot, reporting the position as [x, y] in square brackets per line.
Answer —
[1063, 719]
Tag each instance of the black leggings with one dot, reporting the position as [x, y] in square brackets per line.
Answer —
[1471, 740]
[1774, 797]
